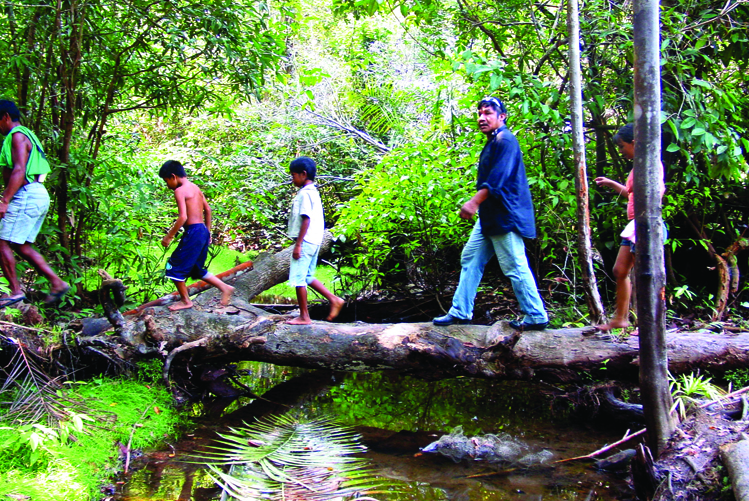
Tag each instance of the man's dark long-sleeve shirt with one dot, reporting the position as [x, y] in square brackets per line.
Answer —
[501, 170]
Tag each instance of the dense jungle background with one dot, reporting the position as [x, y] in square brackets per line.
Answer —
[382, 96]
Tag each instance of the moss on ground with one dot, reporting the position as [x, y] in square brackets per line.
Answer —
[74, 469]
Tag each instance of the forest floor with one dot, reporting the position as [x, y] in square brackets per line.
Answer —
[691, 466]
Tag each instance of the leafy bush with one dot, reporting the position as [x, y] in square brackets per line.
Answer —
[688, 388]
[405, 220]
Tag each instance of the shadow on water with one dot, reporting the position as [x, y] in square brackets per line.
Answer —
[397, 416]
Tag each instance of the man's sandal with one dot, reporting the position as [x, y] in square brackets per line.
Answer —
[55, 297]
[9, 301]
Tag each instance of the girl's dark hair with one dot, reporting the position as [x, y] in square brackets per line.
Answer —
[304, 164]
[172, 167]
[625, 135]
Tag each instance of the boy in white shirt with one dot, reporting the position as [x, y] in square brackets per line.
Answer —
[307, 226]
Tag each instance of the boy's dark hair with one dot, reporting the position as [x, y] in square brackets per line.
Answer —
[9, 108]
[625, 135]
[304, 164]
[493, 103]
[172, 167]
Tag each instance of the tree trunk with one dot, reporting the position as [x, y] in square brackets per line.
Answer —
[585, 253]
[651, 282]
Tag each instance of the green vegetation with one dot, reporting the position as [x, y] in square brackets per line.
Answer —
[688, 388]
[383, 100]
[738, 378]
[70, 461]
[385, 107]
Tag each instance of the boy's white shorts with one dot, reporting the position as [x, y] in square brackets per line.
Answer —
[302, 270]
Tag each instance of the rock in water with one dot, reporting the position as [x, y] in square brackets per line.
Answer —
[502, 448]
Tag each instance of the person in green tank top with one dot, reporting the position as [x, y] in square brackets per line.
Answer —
[23, 204]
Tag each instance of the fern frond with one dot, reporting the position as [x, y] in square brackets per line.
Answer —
[282, 458]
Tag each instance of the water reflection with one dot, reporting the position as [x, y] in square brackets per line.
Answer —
[396, 416]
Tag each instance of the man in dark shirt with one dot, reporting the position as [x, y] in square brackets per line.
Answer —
[503, 201]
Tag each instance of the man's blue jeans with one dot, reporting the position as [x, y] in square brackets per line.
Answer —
[510, 251]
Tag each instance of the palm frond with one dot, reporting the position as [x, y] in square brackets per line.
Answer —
[34, 395]
[282, 458]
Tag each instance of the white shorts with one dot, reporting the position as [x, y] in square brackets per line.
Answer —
[26, 213]
[302, 270]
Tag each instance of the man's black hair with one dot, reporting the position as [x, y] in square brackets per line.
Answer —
[172, 167]
[625, 135]
[11, 109]
[304, 164]
[493, 103]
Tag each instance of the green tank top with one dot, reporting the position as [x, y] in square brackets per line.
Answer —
[37, 164]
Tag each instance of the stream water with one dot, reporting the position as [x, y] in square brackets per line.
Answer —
[397, 416]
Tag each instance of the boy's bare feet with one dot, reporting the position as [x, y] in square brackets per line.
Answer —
[299, 321]
[613, 324]
[226, 295]
[181, 305]
[335, 308]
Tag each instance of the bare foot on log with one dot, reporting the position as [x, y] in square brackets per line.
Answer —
[613, 324]
[226, 295]
[335, 308]
[180, 306]
[299, 321]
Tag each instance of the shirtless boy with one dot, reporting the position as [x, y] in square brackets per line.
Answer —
[195, 215]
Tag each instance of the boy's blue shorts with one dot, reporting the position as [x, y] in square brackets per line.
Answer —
[188, 260]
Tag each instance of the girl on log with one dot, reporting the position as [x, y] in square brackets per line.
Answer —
[624, 140]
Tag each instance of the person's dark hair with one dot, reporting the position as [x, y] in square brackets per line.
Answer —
[625, 135]
[172, 167]
[304, 164]
[10, 108]
[493, 103]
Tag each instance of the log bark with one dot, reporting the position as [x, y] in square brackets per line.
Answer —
[209, 333]
[736, 458]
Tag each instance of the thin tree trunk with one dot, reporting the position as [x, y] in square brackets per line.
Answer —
[651, 273]
[70, 65]
[585, 253]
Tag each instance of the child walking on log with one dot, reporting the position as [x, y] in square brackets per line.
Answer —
[188, 260]
[307, 226]
[624, 140]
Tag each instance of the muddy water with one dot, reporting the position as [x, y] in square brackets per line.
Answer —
[396, 416]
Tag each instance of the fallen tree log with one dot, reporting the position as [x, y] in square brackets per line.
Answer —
[212, 334]
[209, 333]
[736, 458]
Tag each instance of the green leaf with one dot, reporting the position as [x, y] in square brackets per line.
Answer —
[701, 83]
[688, 123]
